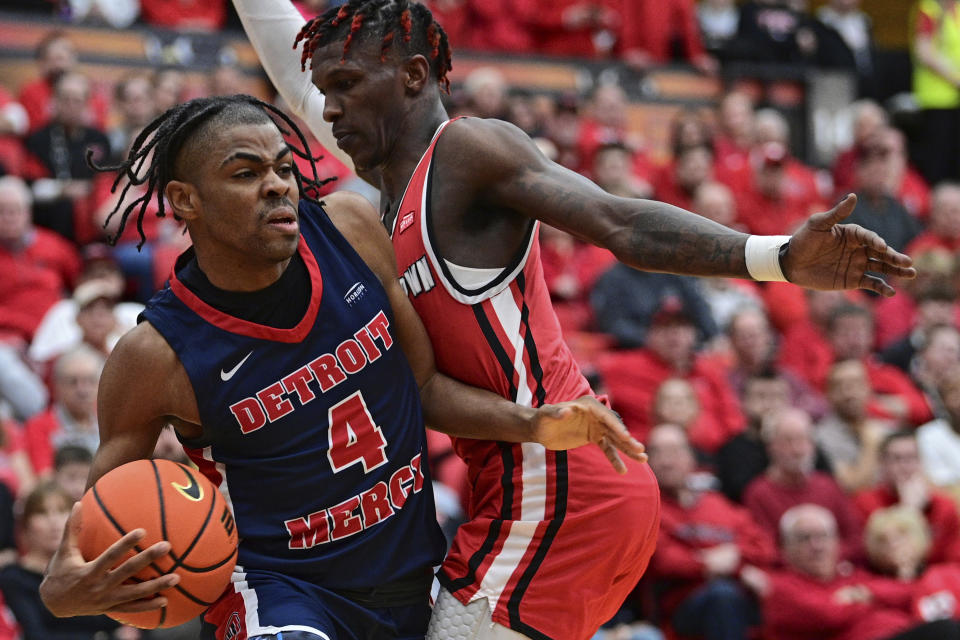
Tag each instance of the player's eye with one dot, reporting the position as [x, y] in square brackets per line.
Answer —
[345, 85]
[285, 170]
[244, 173]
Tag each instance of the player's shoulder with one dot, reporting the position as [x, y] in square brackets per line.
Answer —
[143, 348]
[358, 222]
[480, 146]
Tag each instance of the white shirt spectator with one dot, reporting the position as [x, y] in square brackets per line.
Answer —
[119, 14]
[940, 452]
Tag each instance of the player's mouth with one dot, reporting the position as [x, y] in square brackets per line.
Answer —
[343, 138]
[283, 219]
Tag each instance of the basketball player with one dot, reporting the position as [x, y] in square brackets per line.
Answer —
[279, 352]
[461, 200]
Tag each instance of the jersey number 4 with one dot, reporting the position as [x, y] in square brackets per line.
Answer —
[353, 436]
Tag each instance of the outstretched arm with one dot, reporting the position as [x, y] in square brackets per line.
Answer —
[272, 26]
[459, 409]
[502, 167]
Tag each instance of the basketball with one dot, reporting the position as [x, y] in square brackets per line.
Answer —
[171, 502]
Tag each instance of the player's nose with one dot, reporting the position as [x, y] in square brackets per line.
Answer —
[331, 109]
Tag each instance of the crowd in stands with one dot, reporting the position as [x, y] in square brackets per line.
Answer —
[807, 444]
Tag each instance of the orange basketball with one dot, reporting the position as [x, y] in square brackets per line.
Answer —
[171, 502]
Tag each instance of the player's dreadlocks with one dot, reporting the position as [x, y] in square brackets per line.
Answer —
[407, 25]
[161, 141]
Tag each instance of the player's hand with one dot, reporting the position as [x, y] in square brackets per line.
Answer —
[824, 254]
[572, 424]
[75, 587]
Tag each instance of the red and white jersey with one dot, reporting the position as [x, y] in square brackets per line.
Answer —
[555, 540]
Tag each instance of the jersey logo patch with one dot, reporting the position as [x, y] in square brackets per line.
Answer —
[356, 292]
[406, 221]
[226, 375]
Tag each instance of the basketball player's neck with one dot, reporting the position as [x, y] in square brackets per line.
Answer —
[414, 133]
[231, 272]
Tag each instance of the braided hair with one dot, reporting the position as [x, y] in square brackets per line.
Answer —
[154, 152]
[408, 26]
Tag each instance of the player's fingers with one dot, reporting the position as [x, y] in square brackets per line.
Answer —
[890, 256]
[875, 284]
[871, 240]
[116, 552]
[617, 434]
[139, 606]
[611, 452]
[888, 269]
[142, 560]
[825, 220]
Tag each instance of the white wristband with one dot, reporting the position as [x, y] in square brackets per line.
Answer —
[762, 255]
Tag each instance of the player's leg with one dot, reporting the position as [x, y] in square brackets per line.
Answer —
[267, 605]
[453, 620]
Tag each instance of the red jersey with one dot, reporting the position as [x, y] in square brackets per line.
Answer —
[541, 522]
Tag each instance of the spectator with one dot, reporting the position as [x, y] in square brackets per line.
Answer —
[134, 99]
[776, 204]
[563, 130]
[675, 402]
[817, 597]
[570, 268]
[71, 468]
[850, 438]
[704, 542]
[613, 172]
[486, 93]
[868, 118]
[718, 24]
[628, 319]
[851, 336]
[15, 470]
[63, 181]
[576, 28]
[56, 56]
[936, 305]
[59, 331]
[938, 358]
[802, 183]
[8, 551]
[168, 447]
[943, 231]
[754, 346]
[72, 418]
[744, 456]
[791, 480]
[692, 167]
[118, 14]
[877, 209]
[902, 483]
[38, 265]
[45, 513]
[605, 123]
[633, 376]
[22, 392]
[13, 124]
[897, 541]
[725, 296]
[855, 28]
[936, 87]
[226, 80]
[186, 15]
[654, 32]
[939, 439]
[715, 201]
[735, 138]
[805, 349]
[904, 182]
[169, 88]
[771, 31]
[96, 315]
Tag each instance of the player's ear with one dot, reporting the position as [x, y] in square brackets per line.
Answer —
[416, 74]
[183, 199]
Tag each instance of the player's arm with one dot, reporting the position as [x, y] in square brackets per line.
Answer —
[456, 408]
[504, 169]
[135, 401]
[272, 26]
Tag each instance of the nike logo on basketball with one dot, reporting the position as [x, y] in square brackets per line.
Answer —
[193, 490]
[226, 375]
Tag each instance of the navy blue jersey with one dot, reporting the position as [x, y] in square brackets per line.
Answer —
[315, 433]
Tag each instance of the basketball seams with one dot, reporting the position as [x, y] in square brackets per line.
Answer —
[180, 562]
[177, 561]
